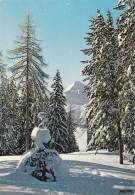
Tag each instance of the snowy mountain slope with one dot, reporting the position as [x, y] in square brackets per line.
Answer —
[82, 173]
[77, 99]
[75, 94]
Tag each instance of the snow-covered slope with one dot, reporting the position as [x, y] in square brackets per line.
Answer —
[77, 99]
[82, 173]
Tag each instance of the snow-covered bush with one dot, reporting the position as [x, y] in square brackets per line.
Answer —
[41, 162]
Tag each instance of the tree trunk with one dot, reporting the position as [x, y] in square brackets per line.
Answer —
[120, 142]
[88, 139]
[27, 117]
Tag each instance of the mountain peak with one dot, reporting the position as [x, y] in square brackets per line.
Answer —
[78, 84]
[75, 93]
[75, 85]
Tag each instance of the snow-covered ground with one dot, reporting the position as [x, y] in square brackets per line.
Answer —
[82, 173]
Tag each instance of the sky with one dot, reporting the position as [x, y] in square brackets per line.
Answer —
[60, 24]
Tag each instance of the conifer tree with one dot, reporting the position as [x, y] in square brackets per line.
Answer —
[15, 129]
[109, 74]
[4, 110]
[126, 36]
[3, 82]
[92, 72]
[71, 127]
[102, 89]
[57, 117]
[27, 70]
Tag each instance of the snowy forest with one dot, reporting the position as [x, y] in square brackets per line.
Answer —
[28, 106]
[110, 73]
[25, 94]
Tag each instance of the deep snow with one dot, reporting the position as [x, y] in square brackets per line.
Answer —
[82, 173]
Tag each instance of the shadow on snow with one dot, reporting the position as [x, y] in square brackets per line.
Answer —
[82, 178]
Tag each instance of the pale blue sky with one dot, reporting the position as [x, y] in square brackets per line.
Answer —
[61, 25]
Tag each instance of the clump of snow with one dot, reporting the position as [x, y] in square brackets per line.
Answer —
[40, 136]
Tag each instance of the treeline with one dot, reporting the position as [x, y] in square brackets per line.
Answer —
[25, 94]
[110, 75]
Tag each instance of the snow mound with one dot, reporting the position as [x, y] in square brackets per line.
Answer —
[37, 160]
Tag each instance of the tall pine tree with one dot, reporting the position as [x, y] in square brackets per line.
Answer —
[92, 72]
[126, 36]
[4, 106]
[27, 70]
[101, 70]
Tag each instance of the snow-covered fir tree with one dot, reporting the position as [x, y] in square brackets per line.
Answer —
[94, 42]
[126, 36]
[12, 133]
[27, 70]
[57, 116]
[15, 129]
[108, 75]
[71, 127]
[4, 106]
[101, 87]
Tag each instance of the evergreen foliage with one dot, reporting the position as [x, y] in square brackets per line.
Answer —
[100, 72]
[126, 36]
[57, 116]
[27, 70]
[71, 127]
[94, 41]
[4, 106]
